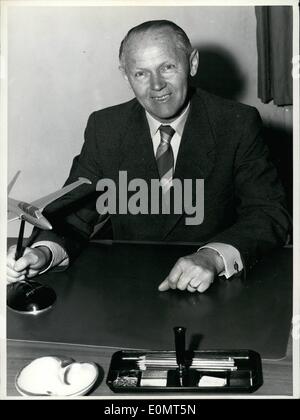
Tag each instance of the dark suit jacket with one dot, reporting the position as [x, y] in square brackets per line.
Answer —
[221, 143]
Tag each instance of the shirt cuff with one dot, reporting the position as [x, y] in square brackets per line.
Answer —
[59, 259]
[231, 257]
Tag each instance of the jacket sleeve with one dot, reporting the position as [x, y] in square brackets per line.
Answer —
[74, 215]
[262, 219]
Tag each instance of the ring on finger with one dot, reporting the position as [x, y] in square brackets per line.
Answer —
[191, 289]
[195, 286]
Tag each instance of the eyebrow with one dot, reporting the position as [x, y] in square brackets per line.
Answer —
[160, 65]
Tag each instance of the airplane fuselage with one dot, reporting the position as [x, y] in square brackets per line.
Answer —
[32, 213]
[29, 213]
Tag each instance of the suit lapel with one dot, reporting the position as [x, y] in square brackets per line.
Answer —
[196, 154]
[136, 151]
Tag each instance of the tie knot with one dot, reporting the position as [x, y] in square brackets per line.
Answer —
[166, 132]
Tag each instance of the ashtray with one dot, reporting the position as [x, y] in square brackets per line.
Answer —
[53, 376]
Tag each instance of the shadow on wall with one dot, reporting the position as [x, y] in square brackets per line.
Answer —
[220, 74]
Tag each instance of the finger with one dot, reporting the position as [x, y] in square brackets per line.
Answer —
[10, 263]
[205, 276]
[25, 261]
[195, 282]
[11, 256]
[183, 281]
[164, 285]
[204, 285]
[191, 289]
[174, 275]
[10, 279]
[32, 273]
[12, 250]
[15, 274]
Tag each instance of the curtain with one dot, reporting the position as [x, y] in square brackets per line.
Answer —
[274, 35]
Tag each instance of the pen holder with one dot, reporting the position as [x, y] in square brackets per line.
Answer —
[214, 371]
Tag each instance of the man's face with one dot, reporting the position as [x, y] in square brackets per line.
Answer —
[157, 71]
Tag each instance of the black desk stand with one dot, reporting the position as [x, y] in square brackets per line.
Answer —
[28, 296]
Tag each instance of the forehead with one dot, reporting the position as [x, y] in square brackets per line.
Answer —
[152, 47]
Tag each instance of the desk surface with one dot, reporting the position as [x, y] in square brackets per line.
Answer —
[109, 298]
[277, 375]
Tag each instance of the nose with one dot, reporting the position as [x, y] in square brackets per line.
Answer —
[157, 82]
[45, 224]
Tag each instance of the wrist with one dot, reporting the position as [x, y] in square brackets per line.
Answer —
[215, 257]
[47, 255]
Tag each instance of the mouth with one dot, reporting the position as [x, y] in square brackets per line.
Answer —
[162, 98]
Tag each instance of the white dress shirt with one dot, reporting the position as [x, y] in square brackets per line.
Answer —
[230, 255]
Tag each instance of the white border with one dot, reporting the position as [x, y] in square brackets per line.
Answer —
[296, 210]
[3, 163]
[3, 190]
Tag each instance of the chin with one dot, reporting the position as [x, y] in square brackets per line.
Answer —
[163, 118]
[164, 115]
[168, 116]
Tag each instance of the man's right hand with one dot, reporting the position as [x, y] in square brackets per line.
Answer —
[30, 264]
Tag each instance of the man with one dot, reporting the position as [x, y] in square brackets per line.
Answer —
[203, 137]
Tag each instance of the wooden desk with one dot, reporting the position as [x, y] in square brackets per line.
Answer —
[277, 374]
[103, 306]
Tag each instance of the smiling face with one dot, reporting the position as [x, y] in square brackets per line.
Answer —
[157, 70]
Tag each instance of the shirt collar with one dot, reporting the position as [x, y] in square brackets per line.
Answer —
[177, 125]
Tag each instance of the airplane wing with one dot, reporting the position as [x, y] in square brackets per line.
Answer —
[11, 216]
[41, 203]
[12, 182]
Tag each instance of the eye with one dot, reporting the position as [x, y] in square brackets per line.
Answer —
[139, 74]
[168, 67]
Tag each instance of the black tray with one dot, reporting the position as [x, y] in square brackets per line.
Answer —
[126, 376]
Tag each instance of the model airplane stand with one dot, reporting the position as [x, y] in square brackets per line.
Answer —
[28, 296]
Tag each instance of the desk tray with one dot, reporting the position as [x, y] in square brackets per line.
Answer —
[127, 372]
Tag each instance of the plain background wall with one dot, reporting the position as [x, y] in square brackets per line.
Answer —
[63, 64]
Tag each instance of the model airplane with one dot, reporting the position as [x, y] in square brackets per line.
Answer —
[32, 212]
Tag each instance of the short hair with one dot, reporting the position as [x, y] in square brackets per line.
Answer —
[182, 39]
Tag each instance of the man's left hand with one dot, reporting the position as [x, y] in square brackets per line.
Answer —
[195, 272]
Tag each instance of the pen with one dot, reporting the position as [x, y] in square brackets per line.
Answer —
[180, 350]
[20, 248]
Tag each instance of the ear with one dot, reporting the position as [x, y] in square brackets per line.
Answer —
[122, 70]
[194, 62]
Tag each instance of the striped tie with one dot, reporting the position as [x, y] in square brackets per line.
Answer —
[165, 157]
